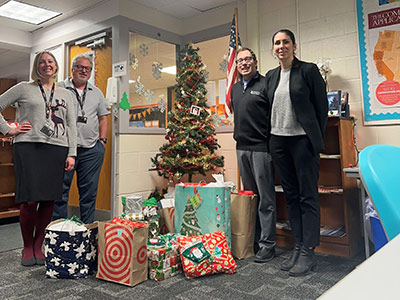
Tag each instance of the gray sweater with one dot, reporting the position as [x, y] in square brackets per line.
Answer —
[283, 117]
[31, 108]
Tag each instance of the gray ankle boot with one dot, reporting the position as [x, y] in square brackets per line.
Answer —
[305, 263]
[289, 263]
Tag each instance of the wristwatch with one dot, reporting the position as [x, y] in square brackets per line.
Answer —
[104, 140]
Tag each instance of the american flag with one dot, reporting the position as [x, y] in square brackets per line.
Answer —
[231, 73]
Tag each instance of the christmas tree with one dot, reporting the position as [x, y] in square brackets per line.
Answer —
[191, 134]
[190, 226]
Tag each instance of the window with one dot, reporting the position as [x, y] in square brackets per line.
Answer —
[152, 71]
[214, 55]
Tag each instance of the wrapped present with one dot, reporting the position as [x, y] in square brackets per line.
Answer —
[70, 248]
[159, 275]
[201, 209]
[206, 254]
[164, 260]
[123, 252]
[132, 204]
[133, 216]
[154, 226]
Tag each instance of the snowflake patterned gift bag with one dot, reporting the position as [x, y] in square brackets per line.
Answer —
[200, 209]
[70, 249]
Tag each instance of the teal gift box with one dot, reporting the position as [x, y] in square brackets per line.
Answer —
[201, 209]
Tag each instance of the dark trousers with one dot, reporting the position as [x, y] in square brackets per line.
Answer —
[298, 170]
[258, 176]
[87, 167]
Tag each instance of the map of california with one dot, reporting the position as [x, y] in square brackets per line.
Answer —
[387, 55]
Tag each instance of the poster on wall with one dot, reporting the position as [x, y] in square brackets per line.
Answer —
[379, 44]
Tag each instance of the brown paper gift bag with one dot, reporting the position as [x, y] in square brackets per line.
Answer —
[122, 253]
[168, 218]
[243, 221]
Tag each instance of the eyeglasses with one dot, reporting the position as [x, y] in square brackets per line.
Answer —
[80, 68]
[246, 59]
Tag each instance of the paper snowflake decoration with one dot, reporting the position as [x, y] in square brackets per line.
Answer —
[149, 95]
[144, 49]
[133, 61]
[223, 65]
[162, 105]
[156, 68]
[139, 87]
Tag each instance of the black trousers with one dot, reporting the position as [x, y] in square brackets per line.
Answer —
[298, 170]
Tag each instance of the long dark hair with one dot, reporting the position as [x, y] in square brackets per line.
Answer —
[287, 32]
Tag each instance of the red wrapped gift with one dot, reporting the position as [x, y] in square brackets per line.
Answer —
[206, 254]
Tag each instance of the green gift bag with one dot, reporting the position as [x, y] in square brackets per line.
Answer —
[200, 209]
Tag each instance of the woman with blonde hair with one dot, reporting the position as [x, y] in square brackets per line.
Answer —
[44, 147]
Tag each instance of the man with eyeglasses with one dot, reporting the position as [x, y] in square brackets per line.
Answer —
[92, 128]
[251, 129]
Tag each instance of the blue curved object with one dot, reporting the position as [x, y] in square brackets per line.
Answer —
[380, 174]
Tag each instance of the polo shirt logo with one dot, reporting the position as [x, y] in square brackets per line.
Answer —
[255, 93]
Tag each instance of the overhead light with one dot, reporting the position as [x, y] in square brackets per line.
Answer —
[97, 43]
[91, 39]
[169, 70]
[26, 13]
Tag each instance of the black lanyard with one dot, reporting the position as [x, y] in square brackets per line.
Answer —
[81, 100]
[47, 103]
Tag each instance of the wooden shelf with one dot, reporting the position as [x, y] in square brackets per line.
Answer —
[8, 208]
[7, 195]
[329, 156]
[9, 213]
[338, 194]
[6, 164]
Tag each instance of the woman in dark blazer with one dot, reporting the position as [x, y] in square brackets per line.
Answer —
[299, 112]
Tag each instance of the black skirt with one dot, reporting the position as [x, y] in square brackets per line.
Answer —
[39, 171]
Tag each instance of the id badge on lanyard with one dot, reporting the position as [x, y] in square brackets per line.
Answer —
[47, 129]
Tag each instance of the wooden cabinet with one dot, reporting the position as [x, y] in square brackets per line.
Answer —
[338, 195]
[8, 208]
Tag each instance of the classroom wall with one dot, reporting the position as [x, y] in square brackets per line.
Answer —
[323, 29]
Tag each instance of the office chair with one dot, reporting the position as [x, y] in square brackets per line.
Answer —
[380, 174]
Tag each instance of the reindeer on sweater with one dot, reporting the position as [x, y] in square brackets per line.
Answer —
[57, 120]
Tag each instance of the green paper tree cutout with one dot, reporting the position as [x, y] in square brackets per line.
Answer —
[190, 226]
[124, 104]
[191, 138]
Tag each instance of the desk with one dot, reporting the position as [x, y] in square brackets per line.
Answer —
[355, 173]
[375, 278]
